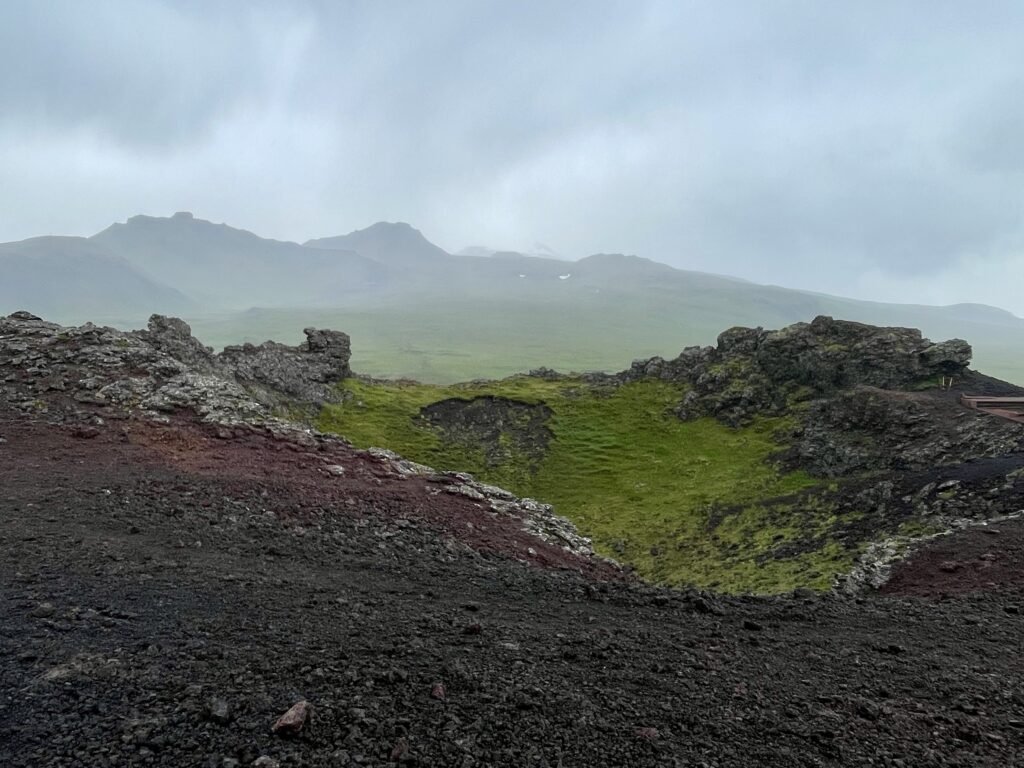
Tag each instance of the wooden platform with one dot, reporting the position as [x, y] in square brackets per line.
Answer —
[1011, 408]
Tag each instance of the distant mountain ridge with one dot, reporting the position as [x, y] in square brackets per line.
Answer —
[196, 268]
[226, 268]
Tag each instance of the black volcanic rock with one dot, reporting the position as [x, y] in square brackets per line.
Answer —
[174, 336]
[303, 373]
[870, 429]
[752, 371]
[827, 354]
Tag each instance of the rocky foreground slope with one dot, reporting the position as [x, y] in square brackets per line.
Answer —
[178, 568]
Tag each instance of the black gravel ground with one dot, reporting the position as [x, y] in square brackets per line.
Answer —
[156, 614]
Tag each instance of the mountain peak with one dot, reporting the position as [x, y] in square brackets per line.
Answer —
[396, 243]
[393, 225]
[182, 224]
[396, 231]
[181, 218]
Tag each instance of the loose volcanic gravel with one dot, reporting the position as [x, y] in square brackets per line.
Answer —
[167, 594]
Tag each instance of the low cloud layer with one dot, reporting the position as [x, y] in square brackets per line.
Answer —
[873, 150]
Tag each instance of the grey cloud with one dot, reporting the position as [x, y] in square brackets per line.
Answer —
[991, 140]
[817, 145]
[142, 73]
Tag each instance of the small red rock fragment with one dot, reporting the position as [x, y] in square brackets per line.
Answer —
[400, 749]
[949, 566]
[473, 629]
[294, 720]
[438, 692]
[648, 733]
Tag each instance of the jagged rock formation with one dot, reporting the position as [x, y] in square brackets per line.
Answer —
[276, 373]
[270, 374]
[852, 389]
[752, 371]
[303, 373]
[173, 336]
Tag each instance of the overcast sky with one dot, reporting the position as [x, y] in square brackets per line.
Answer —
[869, 149]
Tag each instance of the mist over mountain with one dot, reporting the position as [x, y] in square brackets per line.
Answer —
[538, 249]
[395, 244]
[70, 278]
[423, 312]
[226, 268]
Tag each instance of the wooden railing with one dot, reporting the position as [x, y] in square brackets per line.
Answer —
[1005, 407]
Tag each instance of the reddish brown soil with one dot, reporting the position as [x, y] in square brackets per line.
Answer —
[243, 458]
[978, 559]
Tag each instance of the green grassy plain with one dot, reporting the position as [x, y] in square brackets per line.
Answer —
[683, 502]
[462, 339]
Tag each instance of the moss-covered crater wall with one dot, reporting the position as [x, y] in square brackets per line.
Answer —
[682, 502]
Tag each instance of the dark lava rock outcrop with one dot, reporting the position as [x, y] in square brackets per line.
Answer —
[752, 371]
[276, 373]
[165, 367]
[496, 425]
[869, 429]
[303, 373]
[864, 398]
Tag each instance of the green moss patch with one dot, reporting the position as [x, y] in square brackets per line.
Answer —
[649, 488]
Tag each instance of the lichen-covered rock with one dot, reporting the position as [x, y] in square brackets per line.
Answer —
[174, 337]
[948, 356]
[753, 372]
[279, 372]
[159, 370]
